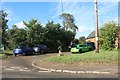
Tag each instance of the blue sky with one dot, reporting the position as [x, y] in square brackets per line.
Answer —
[83, 13]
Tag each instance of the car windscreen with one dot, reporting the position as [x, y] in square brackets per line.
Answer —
[74, 46]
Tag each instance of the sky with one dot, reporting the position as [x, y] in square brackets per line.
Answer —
[83, 13]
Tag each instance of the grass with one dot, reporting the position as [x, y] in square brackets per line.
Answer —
[87, 57]
[8, 52]
[2, 56]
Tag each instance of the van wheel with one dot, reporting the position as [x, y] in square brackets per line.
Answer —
[80, 51]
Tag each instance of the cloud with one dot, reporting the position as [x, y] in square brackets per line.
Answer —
[20, 25]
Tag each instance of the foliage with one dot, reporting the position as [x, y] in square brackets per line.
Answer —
[76, 41]
[88, 57]
[107, 35]
[33, 31]
[82, 40]
[3, 26]
[16, 37]
[36, 34]
[68, 21]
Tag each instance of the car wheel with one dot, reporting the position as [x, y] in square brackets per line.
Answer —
[24, 54]
[80, 51]
[90, 49]
[42, 52]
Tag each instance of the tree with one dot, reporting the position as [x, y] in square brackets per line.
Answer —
[3, 26]
[68, 21]
[107, 35]
[82, 40]
[75, 41]
[16, 37]
[55, 33]
[34, 29]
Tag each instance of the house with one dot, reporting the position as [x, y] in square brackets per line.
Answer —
[91, 38]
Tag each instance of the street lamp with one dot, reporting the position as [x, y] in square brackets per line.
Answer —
[96, 27]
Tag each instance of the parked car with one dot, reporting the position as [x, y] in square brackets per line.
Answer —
[79, 48]
[92, 44]
[24, 50]
[41, 48]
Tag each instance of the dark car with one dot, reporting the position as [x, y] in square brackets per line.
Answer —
[41, 48]
[91, 44]
[24, 50]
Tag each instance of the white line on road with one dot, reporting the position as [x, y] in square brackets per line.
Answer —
[15, 67]
[9, 69]
[24, 70]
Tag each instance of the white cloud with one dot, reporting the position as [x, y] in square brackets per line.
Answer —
[20, 25]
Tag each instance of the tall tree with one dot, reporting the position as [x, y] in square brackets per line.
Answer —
[3, 26]
[107, 35]
[34, 29]
[68, 21]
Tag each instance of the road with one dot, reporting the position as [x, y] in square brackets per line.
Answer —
[21, 67]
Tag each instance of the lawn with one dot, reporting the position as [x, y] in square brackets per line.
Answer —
[2, 56]
[87, 57]
[6, 53]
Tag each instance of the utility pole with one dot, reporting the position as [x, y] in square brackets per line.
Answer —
[61, 6]
[96, 27]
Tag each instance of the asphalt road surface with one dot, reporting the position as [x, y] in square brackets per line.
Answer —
[21, 67]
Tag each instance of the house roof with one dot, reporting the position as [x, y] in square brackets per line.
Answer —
[91, 35]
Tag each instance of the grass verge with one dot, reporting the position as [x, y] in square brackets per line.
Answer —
[87, 57]
[8, 52]
[2, 56]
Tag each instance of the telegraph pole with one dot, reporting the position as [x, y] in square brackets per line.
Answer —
[61, 6]
[96, 27]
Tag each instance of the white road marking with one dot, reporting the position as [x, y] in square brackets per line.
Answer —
[96, 72]
[58, 70]
[72, 71]
[80, 72]
[52, 70]
[66, 71]
[24, 70]
[15, 67]
[9, 69]
[44, 71]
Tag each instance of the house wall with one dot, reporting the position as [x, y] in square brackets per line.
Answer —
[90, 40]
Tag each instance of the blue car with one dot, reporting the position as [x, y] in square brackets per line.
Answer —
[24, 50]
[41, 48]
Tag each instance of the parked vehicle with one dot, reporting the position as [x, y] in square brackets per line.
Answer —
[41, 48]
[80, 48]
[24, 50]
[92, 44]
